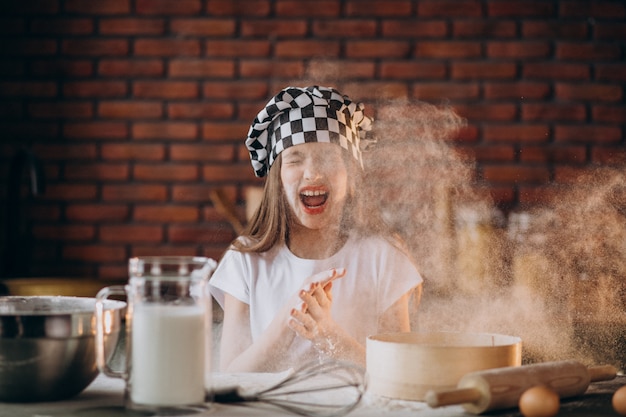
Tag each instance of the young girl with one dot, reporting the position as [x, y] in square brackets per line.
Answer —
[313, 274]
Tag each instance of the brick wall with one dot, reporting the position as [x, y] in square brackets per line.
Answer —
[137, 108]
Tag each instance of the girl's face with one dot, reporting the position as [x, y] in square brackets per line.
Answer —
[315, 182]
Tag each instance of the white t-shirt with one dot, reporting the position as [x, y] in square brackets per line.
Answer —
[377, 275]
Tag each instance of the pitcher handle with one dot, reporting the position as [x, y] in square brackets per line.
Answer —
[101, 359]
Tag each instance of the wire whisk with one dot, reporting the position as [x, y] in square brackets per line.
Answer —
[318, 389]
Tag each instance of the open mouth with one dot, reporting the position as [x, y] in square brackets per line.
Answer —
[313, 198]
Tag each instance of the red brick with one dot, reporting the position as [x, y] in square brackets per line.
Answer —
[165, 89]
[202, 110]
[202, 153]
[553, 112]
[130, 233]
[556, 70]
[94, 253]
[237, 48]
[74, 192]
[492, 153]
[610, 72]
[232, 172]
[113, 272]
[308, 9]
[95, 47]
[554, 29]
[553, 154]
[96, 171]
[378, 9]
[391, 28]
[377, 49]
[609, 31]
[203, 27]
[45, 212]
[448, 49]
[163, 250]
[130, 109]
[411, 70]
[569, 174]
[94, 89]
[521, 8]
[515, 174]
[98, 7]
[62, 26]
[449, 8]
[28, 89]
[487, 111]
[593, 9]
[588, 134]
[69, 110]
[130, 68]
[274, 28]
[467, 134]
[50, 152]
[28, 47]
[532, 133]
[474, 28]
[134, 192]
[591, 92]
[518, 50]
[133, 151]
[500, 195]
[608, 155]
[167, 47]
[165, 214]
[483, 70]
[165, 130]
[344, 28]
[587, 51]
[375, 90]
[516, 90]
[62, 67]
[608, 113]
[239, 89]
[256, 8]
[168, 7]
[225, 130]
[262, 68]
[96, 212]
[203, 68]
[166, 172]
[29, 130]
[441, 91]
[339, 69]
[66, 233]
[308, 48]
[191, 193]
[131, 26]
[204, 234]
[95, 130]
[534, 195]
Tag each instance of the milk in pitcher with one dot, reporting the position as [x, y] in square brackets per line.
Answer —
[168, 344]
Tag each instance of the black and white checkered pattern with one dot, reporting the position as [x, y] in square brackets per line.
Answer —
[300, 115]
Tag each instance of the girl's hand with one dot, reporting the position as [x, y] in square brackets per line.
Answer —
[313, 320]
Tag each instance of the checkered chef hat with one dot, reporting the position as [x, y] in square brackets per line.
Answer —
[300, 115]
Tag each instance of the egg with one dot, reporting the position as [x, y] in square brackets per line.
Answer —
[619, 401]
[539, 401]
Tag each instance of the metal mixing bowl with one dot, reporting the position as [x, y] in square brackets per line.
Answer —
[47, 345]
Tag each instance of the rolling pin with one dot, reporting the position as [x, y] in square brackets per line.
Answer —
[500, 388]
